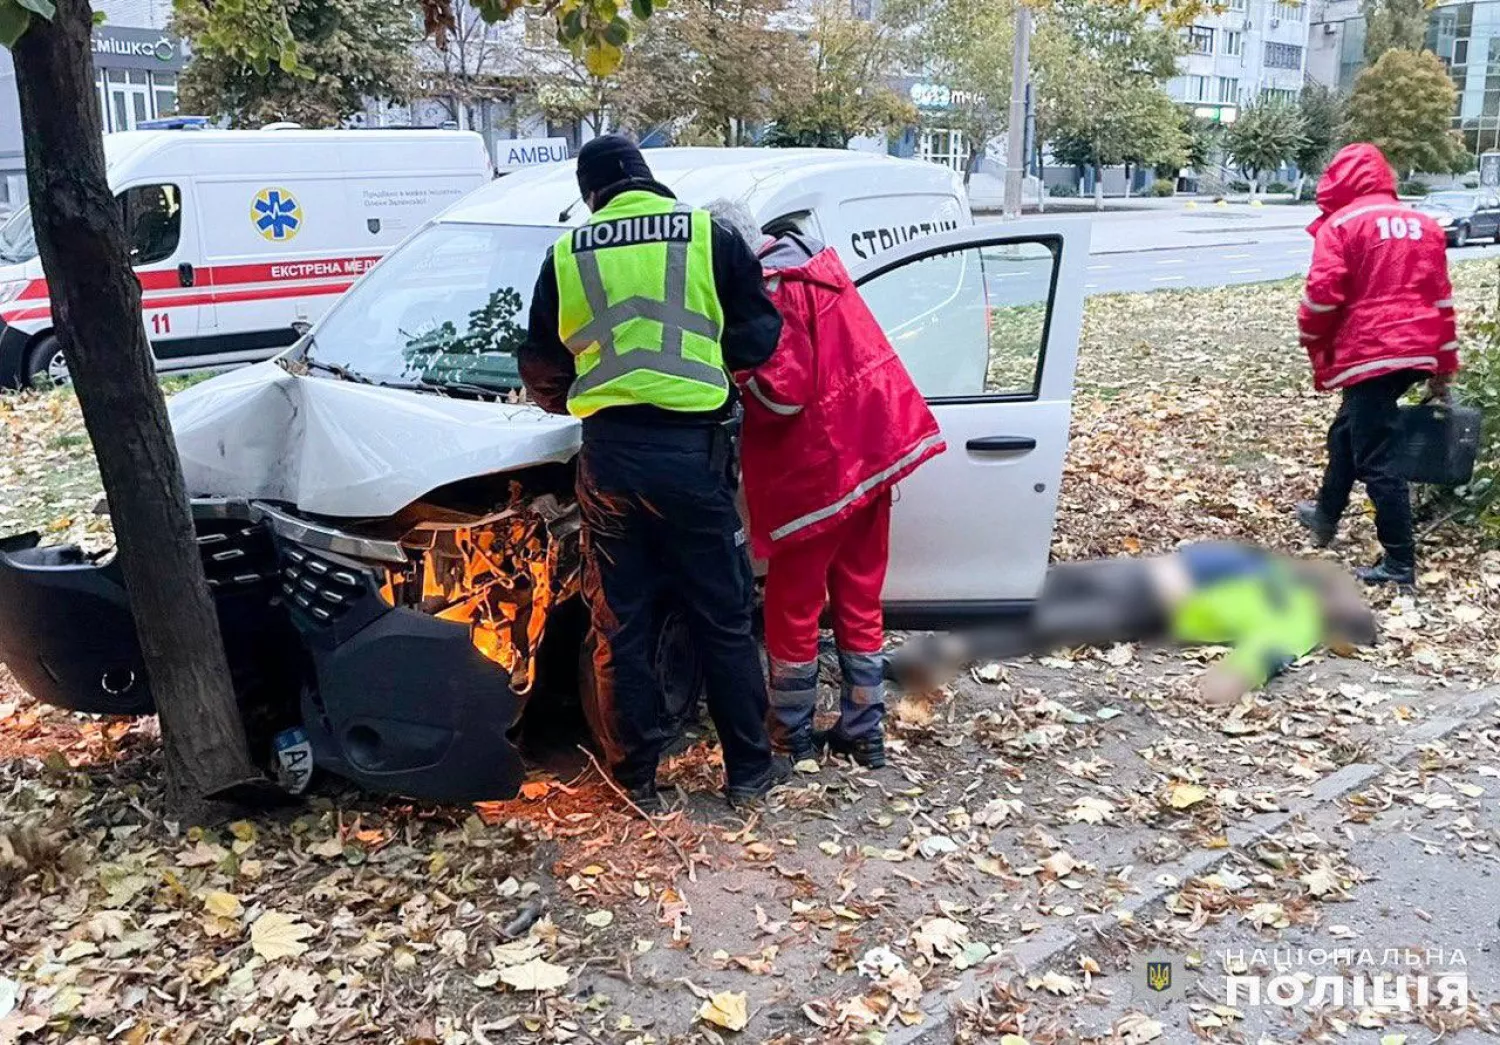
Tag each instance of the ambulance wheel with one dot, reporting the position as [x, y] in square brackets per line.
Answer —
[44, 364]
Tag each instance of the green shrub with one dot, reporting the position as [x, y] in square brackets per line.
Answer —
[1412, 187]
[1163, 187]
[1278, 187]
[1063, 189]
[1239, 186]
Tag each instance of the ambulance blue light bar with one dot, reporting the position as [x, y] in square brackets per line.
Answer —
[174, 123]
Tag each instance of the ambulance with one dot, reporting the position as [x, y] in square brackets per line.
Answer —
[240, 237]
[391, 533]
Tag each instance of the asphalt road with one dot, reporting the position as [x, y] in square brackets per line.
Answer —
[1216, 265]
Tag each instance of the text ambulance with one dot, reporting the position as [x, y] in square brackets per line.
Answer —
[238, 236]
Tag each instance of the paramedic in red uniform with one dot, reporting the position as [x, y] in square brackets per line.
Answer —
[1376, 319]
[832, 423]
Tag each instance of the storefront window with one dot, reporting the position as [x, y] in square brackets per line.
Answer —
[943, 146]
[163, 95]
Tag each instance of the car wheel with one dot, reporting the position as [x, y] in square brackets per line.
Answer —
[679, 672]
[1461, 236]
[44, 364]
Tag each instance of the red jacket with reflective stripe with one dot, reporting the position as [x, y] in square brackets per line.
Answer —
[833, 419]
[1378, 297]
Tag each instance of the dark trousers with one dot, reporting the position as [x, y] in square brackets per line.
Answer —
[660, 520]
[1362, 445]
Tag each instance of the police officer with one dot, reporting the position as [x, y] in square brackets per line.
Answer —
[635, 320]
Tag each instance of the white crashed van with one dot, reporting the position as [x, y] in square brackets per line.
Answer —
[392, 535]
[239, 237]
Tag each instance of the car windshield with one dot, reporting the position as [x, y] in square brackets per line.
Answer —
[447, 308]
[1451, 200]
[17, 242]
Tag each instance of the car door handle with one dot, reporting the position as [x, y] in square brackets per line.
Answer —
[1000, 444]
[185, 274]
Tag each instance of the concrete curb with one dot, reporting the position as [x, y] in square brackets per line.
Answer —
[1057, 939]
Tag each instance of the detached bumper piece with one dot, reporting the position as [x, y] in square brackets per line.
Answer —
[396, 700]
[67, 635]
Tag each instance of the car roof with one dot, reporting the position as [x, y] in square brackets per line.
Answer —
[759, 177]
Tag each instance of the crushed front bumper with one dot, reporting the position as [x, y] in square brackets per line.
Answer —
[391, 698]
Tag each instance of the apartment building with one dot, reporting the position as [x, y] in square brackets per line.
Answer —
[1250, 50]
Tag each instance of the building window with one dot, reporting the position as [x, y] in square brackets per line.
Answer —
[943, 146]
[1200, 40]
[1283, 56]
[1278, 95]
[1288, 12]
[163, 95]
[1229, 90]
[1197, 88]
[1232, 42]
[1236, 5]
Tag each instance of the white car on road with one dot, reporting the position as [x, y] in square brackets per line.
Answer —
[393, 538]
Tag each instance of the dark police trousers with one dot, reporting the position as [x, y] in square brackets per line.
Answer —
[1362, 446]
[659, 519]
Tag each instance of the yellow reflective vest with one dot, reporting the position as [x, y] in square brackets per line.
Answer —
[638, 308]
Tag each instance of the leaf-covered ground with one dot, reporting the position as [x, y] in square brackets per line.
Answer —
[1034, 799]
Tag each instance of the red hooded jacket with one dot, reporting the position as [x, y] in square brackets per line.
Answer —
[1378, 297]
[833, 419]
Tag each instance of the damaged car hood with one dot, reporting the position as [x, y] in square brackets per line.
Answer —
[343, 449]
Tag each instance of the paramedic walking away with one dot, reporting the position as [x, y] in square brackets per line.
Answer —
[1376, 319]
[832, 423]
[635, 317]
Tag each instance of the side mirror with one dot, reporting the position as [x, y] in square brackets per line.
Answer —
[301, 327]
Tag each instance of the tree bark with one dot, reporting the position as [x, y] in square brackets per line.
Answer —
[96, 307]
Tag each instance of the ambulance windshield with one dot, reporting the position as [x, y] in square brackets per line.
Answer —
[17, 242]
[447, 308]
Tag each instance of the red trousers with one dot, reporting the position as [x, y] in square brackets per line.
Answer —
[843, 568]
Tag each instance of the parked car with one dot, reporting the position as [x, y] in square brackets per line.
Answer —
[1464, 214]
[388, 528]
[238, 237]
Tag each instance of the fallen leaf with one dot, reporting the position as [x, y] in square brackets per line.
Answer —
[535, 975]
[535, 789]
[1092, 810]
[599, 919]
[1057, 983]
[727, 1009]
[274, 935]
[1182, 795]
[936, 845]
[1321, 881]
[225, 905]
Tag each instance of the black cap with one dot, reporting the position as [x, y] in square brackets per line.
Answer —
[608, 160]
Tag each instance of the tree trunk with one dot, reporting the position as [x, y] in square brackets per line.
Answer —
[96, 305]
[1098, 186]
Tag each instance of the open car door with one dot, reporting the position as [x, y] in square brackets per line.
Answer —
[986, 319]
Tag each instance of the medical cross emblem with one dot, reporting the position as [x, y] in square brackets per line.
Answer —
[275, 214]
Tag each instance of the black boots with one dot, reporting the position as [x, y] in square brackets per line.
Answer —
[1388, 571]
[646, 798]
[1312, 521]
[868, 751]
